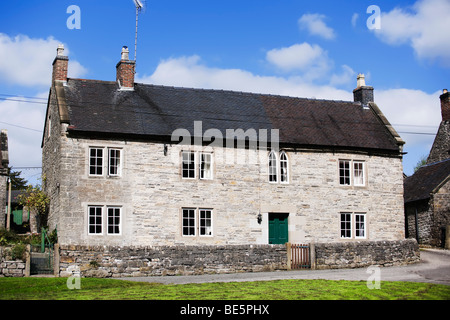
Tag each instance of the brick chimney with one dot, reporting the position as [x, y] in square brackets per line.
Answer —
[60, 65]
[362, 93]
[445, 105]
[125, 71]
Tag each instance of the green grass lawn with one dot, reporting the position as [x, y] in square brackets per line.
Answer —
[110, 289]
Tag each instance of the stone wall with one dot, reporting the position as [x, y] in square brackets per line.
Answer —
[100, 261]
[12, 268]
[433, 217]
[441, 145]
[151, 194]
[366, 253]
[3, 200]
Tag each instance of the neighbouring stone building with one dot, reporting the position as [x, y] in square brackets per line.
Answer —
[4, 162]
[139, 165]
[427, 191]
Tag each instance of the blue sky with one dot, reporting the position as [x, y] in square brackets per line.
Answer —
[297, 48]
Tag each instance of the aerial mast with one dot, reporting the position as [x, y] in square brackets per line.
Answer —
[139, 7]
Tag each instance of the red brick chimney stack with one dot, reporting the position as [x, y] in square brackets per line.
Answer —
[125, 71]
[445, 105]
[60, 65]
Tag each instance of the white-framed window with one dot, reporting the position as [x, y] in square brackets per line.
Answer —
[358, 173]
[284, 168]
[114, 220]
[114, 163]
[206, 166]
[188, 224]
[105, 217]
[360, 225]
[196, 165]
[346, 225]
[273, 168]
[353, 225]
[188, 164]
[197, 221]
[344, 172]
[278, 167]
[205, 218]
[96, 161]
[352, 172]
[95, 220]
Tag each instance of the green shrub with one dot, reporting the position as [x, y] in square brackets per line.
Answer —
[7, 236]
[18, 251]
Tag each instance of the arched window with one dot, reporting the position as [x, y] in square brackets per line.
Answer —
[273, 171]
[284, 168]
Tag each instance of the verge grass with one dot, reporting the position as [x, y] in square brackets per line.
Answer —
[111, 289]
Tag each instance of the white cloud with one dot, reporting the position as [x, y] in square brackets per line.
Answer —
[412, 111]
[28, 62]
[190, 72]
[347, 76]
[24, 122]
[303, 57]
[424, 27]
[315, 25]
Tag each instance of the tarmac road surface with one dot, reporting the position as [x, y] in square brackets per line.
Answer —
[434, 267]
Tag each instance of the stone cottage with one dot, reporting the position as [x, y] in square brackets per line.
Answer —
[427, 191]
[4, 162]
[131, 164]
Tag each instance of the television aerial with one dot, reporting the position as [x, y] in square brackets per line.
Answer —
[139, 6]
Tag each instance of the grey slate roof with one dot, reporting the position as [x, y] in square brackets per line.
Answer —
[427, 178]
[99, 107]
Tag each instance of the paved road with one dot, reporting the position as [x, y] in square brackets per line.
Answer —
[434, 267]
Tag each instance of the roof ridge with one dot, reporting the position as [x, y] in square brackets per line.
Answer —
[245, 93]
[434, 163]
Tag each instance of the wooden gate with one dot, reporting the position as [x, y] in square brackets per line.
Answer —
[299, 256]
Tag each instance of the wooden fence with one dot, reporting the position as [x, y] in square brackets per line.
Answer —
[299, 256]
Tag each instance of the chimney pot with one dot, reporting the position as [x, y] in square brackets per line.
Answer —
[60, 50]
[125, 53]
[360, 81]
[125, 70]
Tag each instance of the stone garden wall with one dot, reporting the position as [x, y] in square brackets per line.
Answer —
[11, 267]
[103, 261]
[100, 261]
[366, 253]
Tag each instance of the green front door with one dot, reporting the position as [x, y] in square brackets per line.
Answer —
[278, 228]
